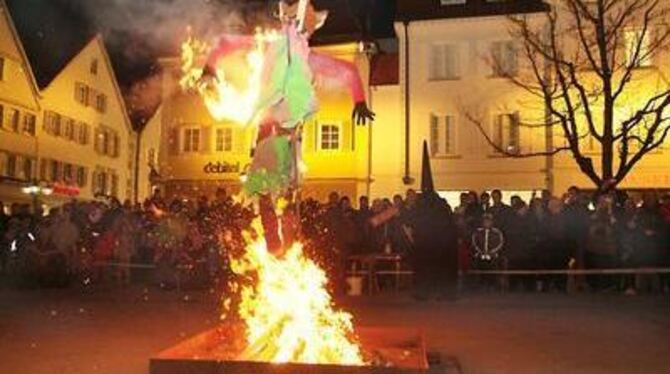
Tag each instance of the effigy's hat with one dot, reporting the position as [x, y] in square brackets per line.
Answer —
[426, 172]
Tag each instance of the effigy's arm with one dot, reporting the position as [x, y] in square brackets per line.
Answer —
[227, 44]
[342, 71]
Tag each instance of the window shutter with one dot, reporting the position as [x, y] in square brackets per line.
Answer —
[173, 141]
[96, 141]
[206, 140]
[347, 135]
[240, 141]
[434, 135]
[309, 135]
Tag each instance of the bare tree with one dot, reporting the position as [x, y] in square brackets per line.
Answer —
[591, 65]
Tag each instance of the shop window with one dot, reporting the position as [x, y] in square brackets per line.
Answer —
[28, 164]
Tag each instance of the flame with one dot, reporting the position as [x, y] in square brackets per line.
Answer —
[288, 311]
[225, 99]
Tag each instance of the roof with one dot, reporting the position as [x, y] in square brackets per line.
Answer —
[51, 37]
[416, 10]
[19, 45]
[354, 20]
[384, 69]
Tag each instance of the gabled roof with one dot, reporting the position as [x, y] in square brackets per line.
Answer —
[19, 45]
[52, 35]
[417, 10]
[98, 40]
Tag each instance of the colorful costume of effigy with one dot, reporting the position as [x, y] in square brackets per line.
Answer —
[285, 100]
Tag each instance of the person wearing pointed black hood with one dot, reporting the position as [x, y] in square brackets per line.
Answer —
[435, 256]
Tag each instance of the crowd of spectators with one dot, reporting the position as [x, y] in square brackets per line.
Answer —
[94, 242]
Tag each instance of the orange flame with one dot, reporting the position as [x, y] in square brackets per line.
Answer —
[288, 312]
[224, 99]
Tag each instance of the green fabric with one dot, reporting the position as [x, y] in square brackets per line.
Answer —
[271, 177]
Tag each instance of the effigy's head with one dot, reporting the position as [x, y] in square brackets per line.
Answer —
[291, 11]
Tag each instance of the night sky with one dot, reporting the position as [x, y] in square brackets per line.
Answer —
[137, 32]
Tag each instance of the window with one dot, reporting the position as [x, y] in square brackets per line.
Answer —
[81, 93]
[191, 140]
[29, 121]
[100, 184]
[83, 133]
[10, 169]
[224, 140]
[101, 103]
[68, 130]
[2, 68]
[14, 120]
[114, 191]
[94, 66]
[506, 132]
[444, 62]
[81, 176]
[442, 135]
[633, 40]
[2, 116]
[53, 123]
[504, 59]
[28, 168]
[329, 139]
[68, 173]
[54, 171]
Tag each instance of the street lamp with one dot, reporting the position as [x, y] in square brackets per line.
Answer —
[36, 190]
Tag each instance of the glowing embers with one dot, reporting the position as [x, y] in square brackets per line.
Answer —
[230, 87]
[288, 312]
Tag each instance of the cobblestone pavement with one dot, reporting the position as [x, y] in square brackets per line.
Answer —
[116, 331]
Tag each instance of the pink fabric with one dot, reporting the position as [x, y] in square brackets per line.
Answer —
[229, 44]
[338, 72]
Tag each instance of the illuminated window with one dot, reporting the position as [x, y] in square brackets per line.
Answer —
[224, 140]
[506, 135]
[330, 137]
[191, 140]
[444, 62]
[504, 59]
[638, 48]
[442, 135]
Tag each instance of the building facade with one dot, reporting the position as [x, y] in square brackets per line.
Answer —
[448, 91]
[70, 137]
[193, 154]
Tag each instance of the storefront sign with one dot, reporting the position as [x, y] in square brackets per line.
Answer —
[221, 168]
